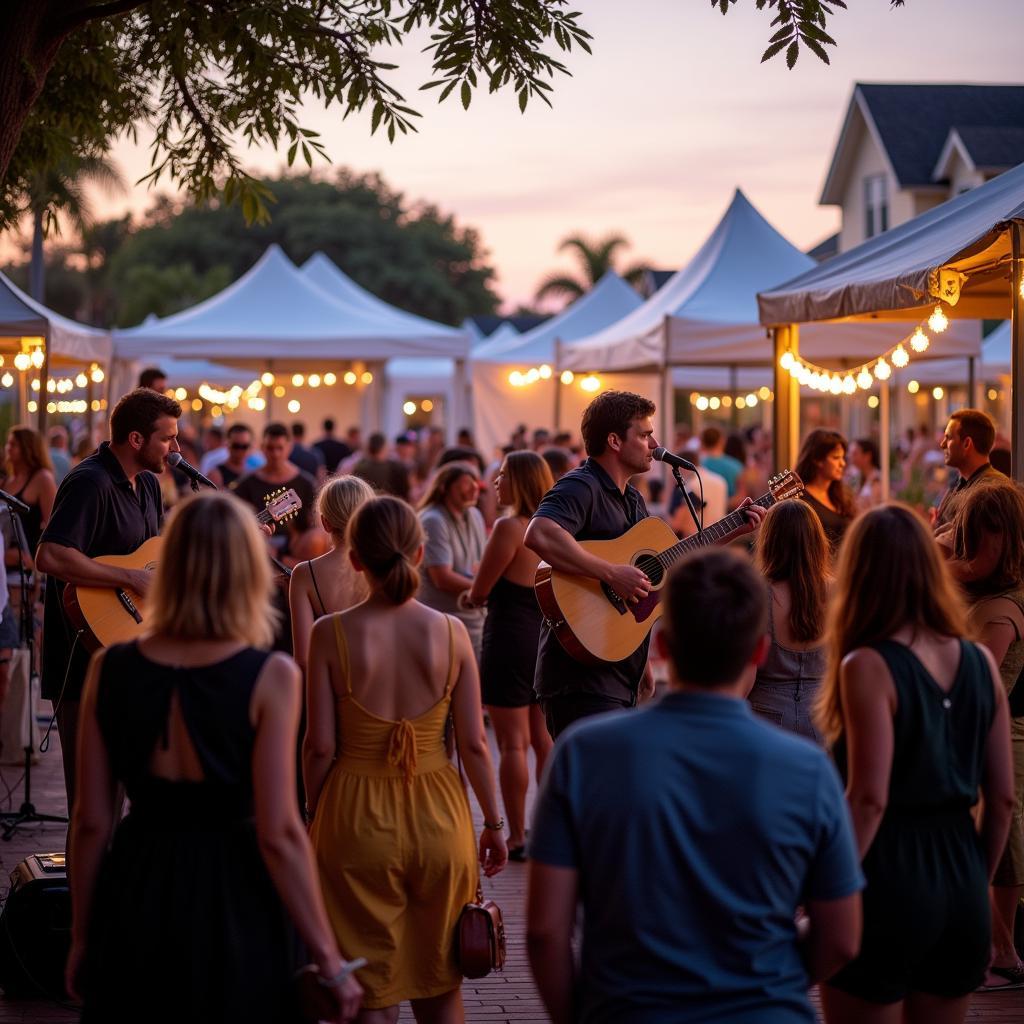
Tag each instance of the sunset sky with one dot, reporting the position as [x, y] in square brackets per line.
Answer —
[654, 131]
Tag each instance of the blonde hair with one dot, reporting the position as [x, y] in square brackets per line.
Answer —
[529, 479]
[339, 498]
[890, 576]
[443, 479]
[213, 579]
[385, 534]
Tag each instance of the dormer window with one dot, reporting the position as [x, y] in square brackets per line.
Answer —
[876, 205]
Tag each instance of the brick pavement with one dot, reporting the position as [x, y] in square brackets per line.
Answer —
[506, 997]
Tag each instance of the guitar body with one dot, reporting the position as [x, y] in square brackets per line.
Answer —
[101, 611]
[590, 622]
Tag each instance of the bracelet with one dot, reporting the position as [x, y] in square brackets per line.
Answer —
[344, 972]
[496, 827]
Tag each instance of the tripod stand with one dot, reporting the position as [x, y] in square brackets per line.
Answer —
[11, 821]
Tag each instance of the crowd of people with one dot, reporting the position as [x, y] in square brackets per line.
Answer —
[828, 791]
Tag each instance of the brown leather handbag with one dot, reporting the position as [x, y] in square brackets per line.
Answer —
[480, 938]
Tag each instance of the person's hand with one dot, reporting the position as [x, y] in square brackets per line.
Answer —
[629, 582]
[267, 528]
[493, 851]
[349, 997]
[338, 1003]
[73, 969]
[647, 684]
[753, 516]
[139, 581]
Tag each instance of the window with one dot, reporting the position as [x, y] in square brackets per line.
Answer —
[876, 205]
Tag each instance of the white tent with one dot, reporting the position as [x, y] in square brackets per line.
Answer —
[707, 313]
[499, 406]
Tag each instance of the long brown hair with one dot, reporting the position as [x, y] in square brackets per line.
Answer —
[529, 479]
[442, 481]
[816, 448]
[890, 576]
[995, 507]
[792, 548]
[33, 451]
[385, 534]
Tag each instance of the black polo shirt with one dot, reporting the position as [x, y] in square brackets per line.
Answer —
[950, 500]
[587, 504]
[97, 512]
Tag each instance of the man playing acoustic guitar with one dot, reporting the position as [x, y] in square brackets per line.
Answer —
[597, 502]
[109, 504]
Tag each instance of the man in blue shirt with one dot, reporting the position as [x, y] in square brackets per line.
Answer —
[691, 832]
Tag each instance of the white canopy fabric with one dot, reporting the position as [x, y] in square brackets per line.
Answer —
[707, 313]
[274, 312]
[955, 252]
[67, 340]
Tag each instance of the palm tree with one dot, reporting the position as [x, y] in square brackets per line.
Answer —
[596, 258]
[60, 192]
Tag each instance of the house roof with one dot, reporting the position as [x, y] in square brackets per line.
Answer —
[825, 249]
[982, 147]
[911, 123]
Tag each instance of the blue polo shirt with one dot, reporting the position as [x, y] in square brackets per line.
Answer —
[697, 830]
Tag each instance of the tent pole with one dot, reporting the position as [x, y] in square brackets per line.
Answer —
[459, 412]
[44, 376]
[786, 413]
[884, 436]
[668, 412]
[1017, 351]
[972, 384]
[270, 393]
[556, 377]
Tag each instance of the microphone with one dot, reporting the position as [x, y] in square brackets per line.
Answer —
[175, 459]
[676, 461]
[16, 503]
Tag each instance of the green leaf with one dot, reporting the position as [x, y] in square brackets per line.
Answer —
[467, 95]
[773, 49]
[791, 55]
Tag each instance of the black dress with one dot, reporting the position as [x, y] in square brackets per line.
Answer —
[508, 655]
[187, 925]
[926, 911]
[833, 523]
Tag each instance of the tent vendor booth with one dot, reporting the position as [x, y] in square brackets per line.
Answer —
[962, 259]
[309, 352]
[55, 364]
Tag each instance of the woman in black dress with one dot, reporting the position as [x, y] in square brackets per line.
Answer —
[511, 634]
[919, 726]
[821, 466]
[185, 917]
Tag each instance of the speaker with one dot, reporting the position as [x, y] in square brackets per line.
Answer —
[35, 928]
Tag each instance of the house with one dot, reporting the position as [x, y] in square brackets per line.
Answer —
[903, 149]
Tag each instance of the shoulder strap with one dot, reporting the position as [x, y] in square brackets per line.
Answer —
[451, 658]
[339, 636]
[312, 576]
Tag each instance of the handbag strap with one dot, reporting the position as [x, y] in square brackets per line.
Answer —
[462, 779]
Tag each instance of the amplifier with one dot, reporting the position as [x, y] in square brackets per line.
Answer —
[35, 928]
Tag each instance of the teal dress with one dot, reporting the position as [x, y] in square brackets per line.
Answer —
[926, 912]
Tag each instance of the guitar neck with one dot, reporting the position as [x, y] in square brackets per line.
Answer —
[712, 534]
[264, 518]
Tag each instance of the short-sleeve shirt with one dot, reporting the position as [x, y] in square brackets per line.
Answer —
[458, 544]
[587, 504]
[96, 511]
[950, 500]
[697, 830]
[254, 490]
[725, 466]
[388, 476]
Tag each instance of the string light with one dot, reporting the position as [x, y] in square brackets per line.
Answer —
[349, 378]
[96, 374]
[590, 383]
[22, 361]
[367, 377]
[900, 357]
[267, 379]
[883, 371]
[938, 321]
[567, 377]
[919, 341]
[330, 379]
[913, 386]
[314, 380]
[427, 405]
[7, 380]
[298, 380]
[937, 394]
[81, 380]
[32, 405]
[748, 401]
[38, 357]
[294, 405]
[409, 408]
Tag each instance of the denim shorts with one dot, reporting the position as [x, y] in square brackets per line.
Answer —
[10, 636]
[789, 705]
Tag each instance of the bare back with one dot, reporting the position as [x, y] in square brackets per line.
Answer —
[523, 567]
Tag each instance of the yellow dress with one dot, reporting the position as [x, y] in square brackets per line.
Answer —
[394, 845]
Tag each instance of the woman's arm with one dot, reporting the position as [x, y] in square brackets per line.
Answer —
[997, 776]
[869, 703]
[282, 838]
[301, 613]
[46, 493]
[502, 545]
[997, 622]
[320, 744]
[92, 822]
[474, 751]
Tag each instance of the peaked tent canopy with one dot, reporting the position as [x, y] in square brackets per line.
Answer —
[274, 312]
[708, 313]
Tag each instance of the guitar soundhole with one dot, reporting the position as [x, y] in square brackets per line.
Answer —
[651, 568]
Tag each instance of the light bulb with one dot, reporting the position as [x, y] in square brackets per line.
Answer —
[913, 386]
[786, 361]
[702, 403]
[81, 380]
[751, 399]
[96, 376]
[590, 383]
[835, 386]
[22, 361]
[330, 379]
[919, 341]
[267, 379]
[883, 370]
[864, 380]
[314, 380]
[349, 378]
[409, 408]
[298, 380]
[715, 402]
[741, 402]
[937, 394]
[900, 357]
[567, 377]
[37, 357]
[545, 371]
[938, 321]
[872, 401]
[515, 378]
[294, 405]
[849, 385]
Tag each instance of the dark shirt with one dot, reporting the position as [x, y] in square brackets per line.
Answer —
[696, 830]
[587, 504]
[389, 476]
[833, 523]
[97, 512]
[950, 502]
[333, 451]
[309, 460]
[255, 490]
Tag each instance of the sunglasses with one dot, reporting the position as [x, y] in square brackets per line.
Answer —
[238, 446]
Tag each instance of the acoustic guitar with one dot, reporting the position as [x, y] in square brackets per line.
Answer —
[106, 615]
[591, 621]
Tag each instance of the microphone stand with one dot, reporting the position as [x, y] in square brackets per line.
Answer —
[697, 521]
[11, 821]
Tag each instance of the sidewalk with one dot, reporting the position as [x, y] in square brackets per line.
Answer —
[506, 997]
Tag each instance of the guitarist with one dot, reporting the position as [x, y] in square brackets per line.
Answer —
[597, 502]
[109, 504]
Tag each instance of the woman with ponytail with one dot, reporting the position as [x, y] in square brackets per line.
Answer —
[390, 821]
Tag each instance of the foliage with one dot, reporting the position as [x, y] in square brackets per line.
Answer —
[203, 74]
[802, 24]
[596, 258]
[409, 254]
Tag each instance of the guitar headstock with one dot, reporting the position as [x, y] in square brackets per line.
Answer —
[282, 505]
[785, 485]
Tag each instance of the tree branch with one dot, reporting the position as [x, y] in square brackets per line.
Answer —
[93, 12]
[193, 108]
